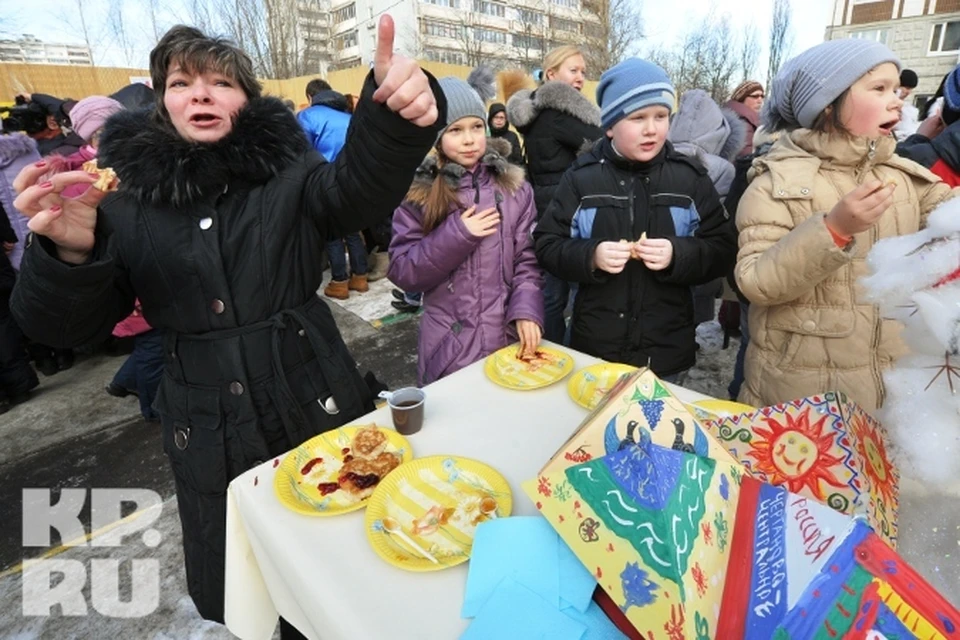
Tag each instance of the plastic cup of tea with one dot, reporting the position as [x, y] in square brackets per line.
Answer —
[406, 408]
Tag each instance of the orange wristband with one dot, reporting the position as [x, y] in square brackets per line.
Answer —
[839, 240]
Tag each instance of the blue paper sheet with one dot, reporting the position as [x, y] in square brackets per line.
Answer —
[576, 583]
[599, 626]
[513, 611]
[525, 549]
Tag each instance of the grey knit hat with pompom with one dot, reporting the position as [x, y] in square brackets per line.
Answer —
[808, 83]
[468, 98]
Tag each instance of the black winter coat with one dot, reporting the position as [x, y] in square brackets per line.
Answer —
[557, 123]
[639, 317]
[222, 243]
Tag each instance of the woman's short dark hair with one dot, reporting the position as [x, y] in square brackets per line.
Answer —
[196, 52]
[829, 119]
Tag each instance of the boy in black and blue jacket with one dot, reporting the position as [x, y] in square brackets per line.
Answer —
[636, 225]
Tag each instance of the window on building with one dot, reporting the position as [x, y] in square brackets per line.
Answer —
[453, 4]
[489, 8]
[572, 4]
[490, 35]
[564, 25]
[343, 14]
[442, 29]
[593, 30]
[912, 8]
[945, 37]
[526, 42]
[878, 35]
[345, 40]
[444, 55]
[526, 16]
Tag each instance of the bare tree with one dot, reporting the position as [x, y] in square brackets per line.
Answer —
[84, 30]
[533, 36]
[613, 30]
[704, 59]
[472, 46]
[118, 30]
[781, 38]
[153, 8]
[749, 51]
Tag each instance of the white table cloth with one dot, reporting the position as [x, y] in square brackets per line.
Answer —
[321, 574]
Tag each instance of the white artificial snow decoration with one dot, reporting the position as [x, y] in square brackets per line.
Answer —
[914, 279]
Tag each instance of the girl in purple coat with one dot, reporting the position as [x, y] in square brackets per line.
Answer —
[462, 237]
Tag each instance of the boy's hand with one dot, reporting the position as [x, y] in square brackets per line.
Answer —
[611, 256]
[656, 253]
[860, 209]
[483, 224]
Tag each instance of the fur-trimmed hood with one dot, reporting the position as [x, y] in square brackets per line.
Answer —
[157, 166]
[506, 175]
[13, 146]
[525, 105]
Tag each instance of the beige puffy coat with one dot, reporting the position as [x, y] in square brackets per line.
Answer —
[810, 330]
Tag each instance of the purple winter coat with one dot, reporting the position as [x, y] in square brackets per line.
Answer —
[474, 288]
[16, 152]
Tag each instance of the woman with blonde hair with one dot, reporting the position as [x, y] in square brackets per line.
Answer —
[557, 123]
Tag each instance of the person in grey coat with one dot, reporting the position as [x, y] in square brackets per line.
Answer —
[713, 135]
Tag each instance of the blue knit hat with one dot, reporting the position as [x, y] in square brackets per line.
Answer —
[951, 96]
[630, 86]
[808, 83]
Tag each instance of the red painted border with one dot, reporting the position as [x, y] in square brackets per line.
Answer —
[736, 588]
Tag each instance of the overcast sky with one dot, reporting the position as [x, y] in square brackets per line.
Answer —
[664, 22]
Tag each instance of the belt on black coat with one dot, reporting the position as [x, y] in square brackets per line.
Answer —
[260, 350]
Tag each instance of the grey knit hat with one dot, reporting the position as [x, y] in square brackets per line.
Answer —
[468, 98]
[808, 83]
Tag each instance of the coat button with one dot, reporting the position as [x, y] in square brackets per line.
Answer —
[181, 437]
[620, 315]
[206, 223]
[236, 388]
[217, 306]
[780, 192]
[456, 328]
[804, 191]
[808, 325]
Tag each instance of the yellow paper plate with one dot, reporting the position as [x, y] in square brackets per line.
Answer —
[438, 502]
[724, 408]
[302, 494]
[588, 386]
[505, 369]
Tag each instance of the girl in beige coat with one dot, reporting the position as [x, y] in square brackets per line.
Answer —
[818, 201]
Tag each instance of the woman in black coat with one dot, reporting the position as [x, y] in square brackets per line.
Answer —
[557, 123]
[221, 216]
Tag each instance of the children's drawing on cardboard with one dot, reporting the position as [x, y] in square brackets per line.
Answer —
[689, 547]
[825, 447]
[639, 406]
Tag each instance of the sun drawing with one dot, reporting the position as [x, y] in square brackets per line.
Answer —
[795, 454]
[877, 465]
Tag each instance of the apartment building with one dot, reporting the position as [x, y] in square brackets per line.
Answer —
[493, 32]
[313, 28]
[924, 33]
[31, 50]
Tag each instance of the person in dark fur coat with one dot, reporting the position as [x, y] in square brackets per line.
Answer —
[221, 211]
[557, 123]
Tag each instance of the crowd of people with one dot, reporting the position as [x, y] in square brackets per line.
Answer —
[611, 227]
